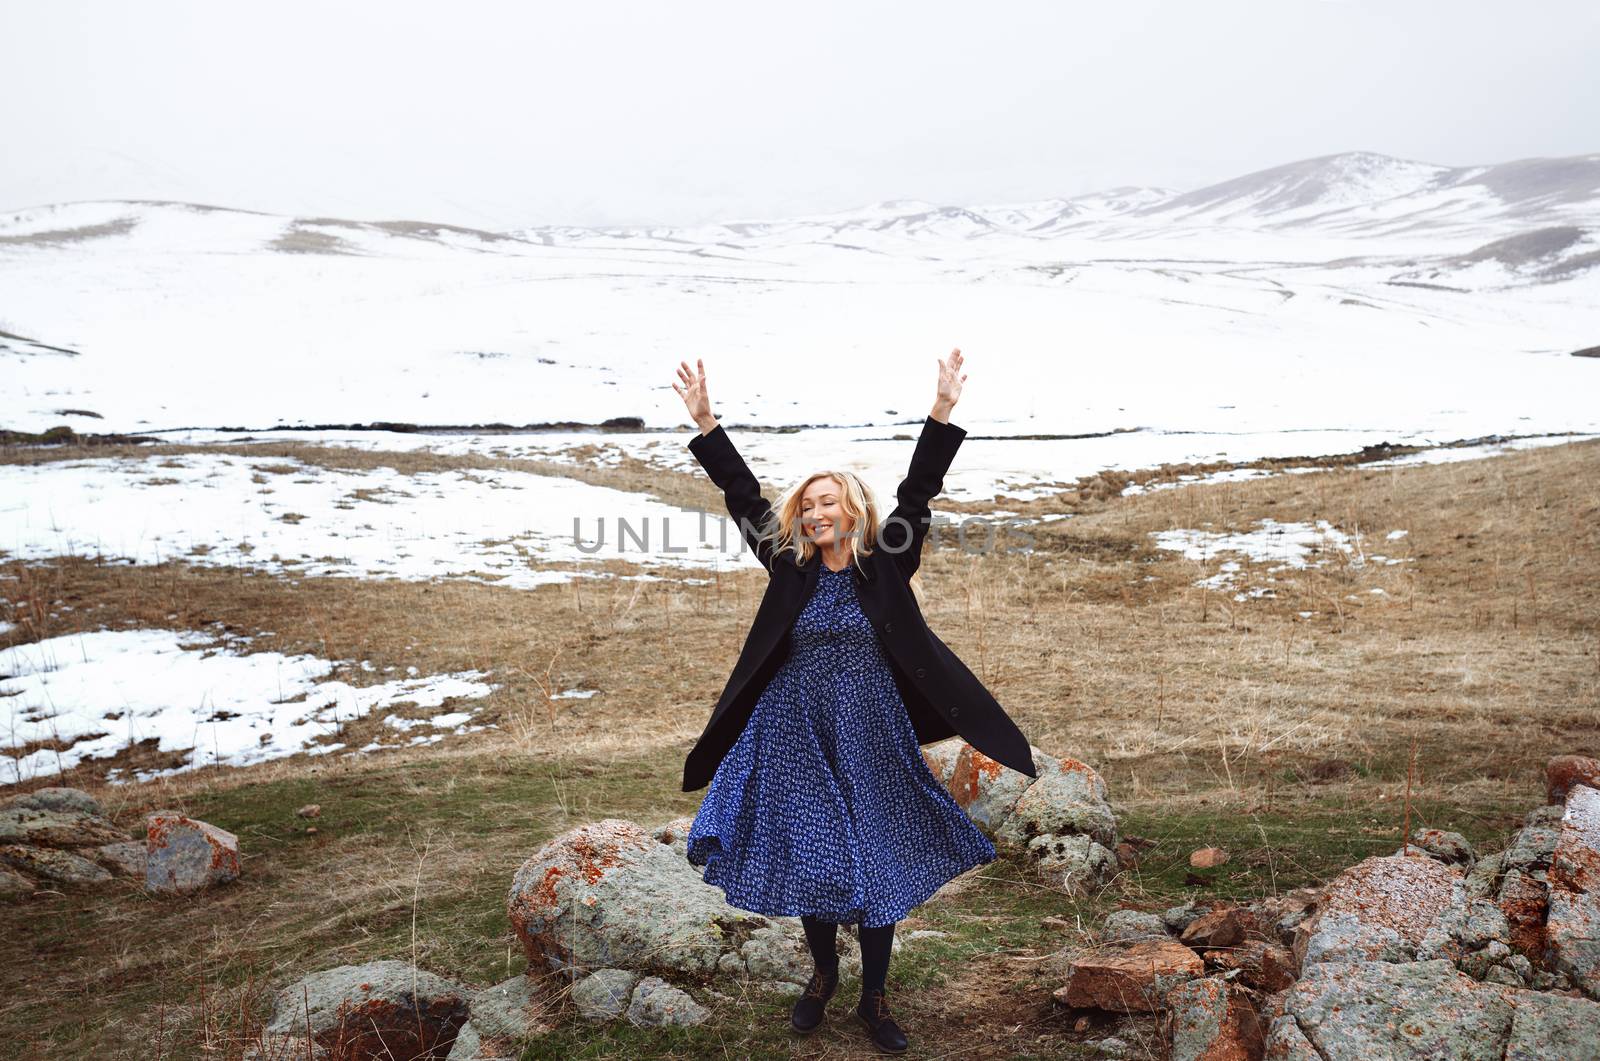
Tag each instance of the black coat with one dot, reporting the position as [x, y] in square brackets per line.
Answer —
[942, 697]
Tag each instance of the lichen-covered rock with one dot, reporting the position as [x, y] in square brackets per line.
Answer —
[1212, 1020]
[608, 894]
[984, 788]
[183, 854]
[73, 800]
[1358, 1011]
[1067, 799]
[1076, 864]
[61, 867]
[503, 1020]
[1524, 900]
[1535, 842]
[1121, 925]
[675, 834]
[1280, 915]
[1483, 879]
[656, 1002]
[126, 858]
[1376, 1009]
[1129, 978]
[54, 827]
[605, 993]
[1573, 935]
[1449, 848]
[1564, 771]
[1473, 936]
[384, 1009]
[1575, 862]
[1378, 909]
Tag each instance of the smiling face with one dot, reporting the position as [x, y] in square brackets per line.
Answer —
[822, 518]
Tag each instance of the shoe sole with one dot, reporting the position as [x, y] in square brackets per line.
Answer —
[808, 1031]
[874, 1039]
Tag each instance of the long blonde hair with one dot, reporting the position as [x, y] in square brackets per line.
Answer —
[859, 503]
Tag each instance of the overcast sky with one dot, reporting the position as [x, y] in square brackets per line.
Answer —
[500, 115]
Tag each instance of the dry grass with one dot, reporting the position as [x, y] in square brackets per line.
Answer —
[1210, 718]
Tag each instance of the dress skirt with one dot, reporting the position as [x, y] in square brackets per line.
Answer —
[825, 805]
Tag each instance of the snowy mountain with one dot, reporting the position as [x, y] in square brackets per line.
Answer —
[1353, 289]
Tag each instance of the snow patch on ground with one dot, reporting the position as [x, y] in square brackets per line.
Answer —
[89, 695]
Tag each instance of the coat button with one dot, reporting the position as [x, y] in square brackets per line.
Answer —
[954, 711]
[921, 673]
[888, 627]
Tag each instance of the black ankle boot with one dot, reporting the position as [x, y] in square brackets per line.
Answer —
[808, 1008]
[873, 1009]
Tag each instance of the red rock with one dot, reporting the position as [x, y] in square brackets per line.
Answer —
[1525, 902]
[1124, 978]
[1208, 857]
[1265, 966]
[1564, 771]
[1224, 926]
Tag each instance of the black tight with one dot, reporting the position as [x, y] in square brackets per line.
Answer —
[876, 942]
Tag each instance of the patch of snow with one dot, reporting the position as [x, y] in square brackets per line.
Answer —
[90, 695]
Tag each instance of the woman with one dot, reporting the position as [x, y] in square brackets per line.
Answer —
[821, 805]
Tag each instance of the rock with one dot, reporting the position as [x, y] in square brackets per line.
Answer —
[14, 885]
[468, 1046]
[310, 810]
[1075, 864]
[1127, 854]
[504, 1019]
[1212, 1020]
[71, 800]
[1575, 862]
[1178, 918]
[1265, 966]
[1278, 916]
[656, 1002]
[1129, 978]
[126, 858]
[48, 827]
[266, 1047]
[1224, 926]
[607, 894]
[1111, 1046]
[384, 1009]
[1068, 798]
[1483, 880]
[1378, 909]
[1208, 857]
[1544, 1027]
[987, 790]
[1449, 848]
[941, 757]
[185, 855]
[1573, 935]
[1524, 901]
[1132, 924]
[675, 834]
[1378, 1009]
[605, 993]
[62, 867]
[1536, 841]
[1564, 771]
[1358, 1011]
[1474, 937]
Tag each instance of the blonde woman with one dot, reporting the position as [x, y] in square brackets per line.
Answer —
[820, 803]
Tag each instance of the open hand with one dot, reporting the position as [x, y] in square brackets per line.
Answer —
[693, 392]
[950, 379]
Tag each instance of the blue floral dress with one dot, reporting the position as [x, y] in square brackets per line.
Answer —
[824, 805]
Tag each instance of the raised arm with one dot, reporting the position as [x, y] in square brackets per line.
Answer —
[904, 532]
[716, 453]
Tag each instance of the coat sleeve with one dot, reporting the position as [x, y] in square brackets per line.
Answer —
[740, 490]
[903, 532]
